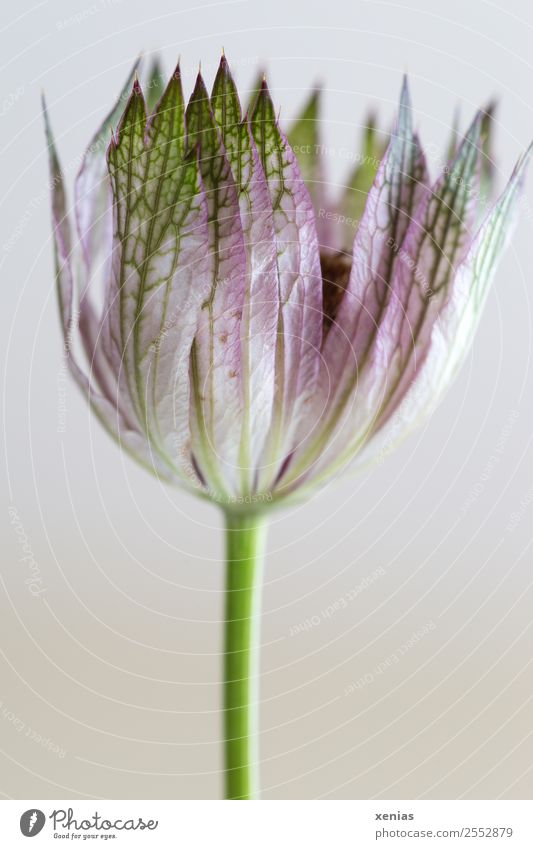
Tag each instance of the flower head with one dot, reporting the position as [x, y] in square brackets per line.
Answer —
[244, 336]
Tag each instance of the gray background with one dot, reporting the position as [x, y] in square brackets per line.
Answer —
[116, 663]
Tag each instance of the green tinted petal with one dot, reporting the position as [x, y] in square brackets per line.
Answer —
[486, 177]
[453, 141]
[92, 185]
[253, 91]
[456, 324]
[304, 138]
[495, 232]
[155, 85]
[360, 182]
[160, 266]
[434, 248]
[61, 228]
[226, 106]
[349, 384]
[259, 331]
[300, 279]
[216, 356]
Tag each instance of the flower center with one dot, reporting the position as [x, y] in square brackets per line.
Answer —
[336, 267]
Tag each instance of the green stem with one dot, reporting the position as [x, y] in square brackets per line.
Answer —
[245, 540]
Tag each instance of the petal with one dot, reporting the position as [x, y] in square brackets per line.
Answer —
[216, 358]
[305, 141]
[300, 285]
[155, 85]
[261, 304]
[453, 331]
[436, 243]
[358, 185]
[347, 351]
[486, 178]
[399, 187]
[110, 414]
[160, 270]
[253, 91]
[94, 220]
[92, 195]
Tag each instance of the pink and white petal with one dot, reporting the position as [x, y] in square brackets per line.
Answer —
[217, 410]
[259, 326]
[398, 190]
[436, 243]
[348, 396]
[160, 271]
[109, 414]
[92, 190]
[300, 288]
[305, 140]
[454, 329]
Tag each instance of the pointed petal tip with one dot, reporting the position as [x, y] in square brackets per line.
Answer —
[488, 113]
[264, 90]
[264, 93]
[48, 127]
[405, 92]
[371, 122]
[314, 98]
[199, 86]
[473, 134]
[177, 69]
[522, 165]
[403, 125]
[155, 64]
[223, 67]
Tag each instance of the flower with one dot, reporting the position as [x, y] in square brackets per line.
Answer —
[248, 337]
[245, 336]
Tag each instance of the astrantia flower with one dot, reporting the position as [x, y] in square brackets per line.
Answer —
[231, 350]
[248, 336]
